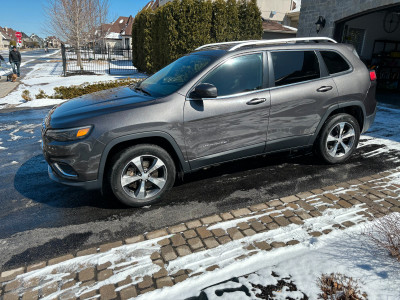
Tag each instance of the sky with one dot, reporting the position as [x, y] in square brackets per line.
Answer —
[28, 15]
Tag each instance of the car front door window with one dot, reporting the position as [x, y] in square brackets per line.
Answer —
[237, 75]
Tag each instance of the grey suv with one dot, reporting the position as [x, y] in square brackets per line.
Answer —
[220, 103]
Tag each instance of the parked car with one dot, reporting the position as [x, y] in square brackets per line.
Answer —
[220, 103]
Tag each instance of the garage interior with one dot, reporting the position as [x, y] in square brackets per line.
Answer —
[376, 36]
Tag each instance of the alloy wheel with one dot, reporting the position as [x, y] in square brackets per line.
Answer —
[144, 177]
[340, 139]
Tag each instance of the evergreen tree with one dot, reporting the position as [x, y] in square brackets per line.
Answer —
[232, 21]
[219, 21]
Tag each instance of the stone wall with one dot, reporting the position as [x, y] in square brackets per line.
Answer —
[332, 11]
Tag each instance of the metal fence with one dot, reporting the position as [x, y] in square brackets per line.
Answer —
[97, 60]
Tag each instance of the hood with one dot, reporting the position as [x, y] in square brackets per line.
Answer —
[98, 103]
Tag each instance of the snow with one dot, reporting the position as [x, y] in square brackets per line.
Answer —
[344, 251]
[46, 76]
[130, 260]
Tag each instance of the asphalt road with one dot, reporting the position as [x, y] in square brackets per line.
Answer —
[40, 219]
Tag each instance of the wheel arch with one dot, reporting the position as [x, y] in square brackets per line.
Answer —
[160, 139]
[353, 108]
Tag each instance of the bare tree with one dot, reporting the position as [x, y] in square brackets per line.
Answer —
[76, 21]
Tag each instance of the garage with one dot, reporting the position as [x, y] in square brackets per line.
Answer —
[373, 27]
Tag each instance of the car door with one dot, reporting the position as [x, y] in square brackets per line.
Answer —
[235, 123]
[299, 99]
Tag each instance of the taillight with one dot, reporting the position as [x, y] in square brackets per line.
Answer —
[372, 75]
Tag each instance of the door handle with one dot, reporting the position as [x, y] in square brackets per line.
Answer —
[256, 101]
[324, 89]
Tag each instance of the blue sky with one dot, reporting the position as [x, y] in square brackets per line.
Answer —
[28, 15]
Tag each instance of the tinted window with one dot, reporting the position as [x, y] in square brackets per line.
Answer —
[237, 75]
[334, 62]
[172, 77]
[294, 66]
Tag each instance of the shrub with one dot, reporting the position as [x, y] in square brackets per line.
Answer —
[337, 286]
[69, 92]
[26, 95]
[177, 28]
[42, 95]
[385, 232]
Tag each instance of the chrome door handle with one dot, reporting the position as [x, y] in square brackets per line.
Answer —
[256, 101]
[324, 89]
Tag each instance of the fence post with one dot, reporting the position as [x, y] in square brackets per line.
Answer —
[64, 59]
[109, 59]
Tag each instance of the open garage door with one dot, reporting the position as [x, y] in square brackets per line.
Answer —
[376, 37]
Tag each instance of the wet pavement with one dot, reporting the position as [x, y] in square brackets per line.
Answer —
[40, 219]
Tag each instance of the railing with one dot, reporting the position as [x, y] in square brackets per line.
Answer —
[97, 60]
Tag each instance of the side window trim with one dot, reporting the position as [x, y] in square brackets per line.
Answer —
[322, 66]
[263, 56]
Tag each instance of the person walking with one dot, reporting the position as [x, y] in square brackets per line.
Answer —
[15, 60]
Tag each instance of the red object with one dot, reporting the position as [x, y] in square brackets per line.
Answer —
[372, 75]
[18, 34]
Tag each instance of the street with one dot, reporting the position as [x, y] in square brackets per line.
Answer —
[41, 219]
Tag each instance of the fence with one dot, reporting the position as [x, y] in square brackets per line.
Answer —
[97, 60]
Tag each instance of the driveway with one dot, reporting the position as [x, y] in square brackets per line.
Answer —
[41, 219]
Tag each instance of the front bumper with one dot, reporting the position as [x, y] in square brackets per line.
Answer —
[87, 185]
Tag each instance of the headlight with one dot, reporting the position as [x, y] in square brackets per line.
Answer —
[72, 134]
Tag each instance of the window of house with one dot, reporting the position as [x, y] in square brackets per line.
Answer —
[237, 75]
[294, 66]
[334, 62]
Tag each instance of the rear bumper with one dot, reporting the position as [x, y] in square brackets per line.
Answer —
[368, 121]
[87, 185]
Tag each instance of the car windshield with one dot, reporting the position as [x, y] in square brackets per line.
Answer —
[169, 79]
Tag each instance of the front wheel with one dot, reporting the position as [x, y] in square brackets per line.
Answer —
[338, 138]
[141, 174]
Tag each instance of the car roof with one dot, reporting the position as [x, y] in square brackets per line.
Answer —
[276, 44]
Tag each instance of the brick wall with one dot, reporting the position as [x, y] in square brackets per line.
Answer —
[333, 10]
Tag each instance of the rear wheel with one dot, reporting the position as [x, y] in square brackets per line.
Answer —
[338, 139]
[141, 174]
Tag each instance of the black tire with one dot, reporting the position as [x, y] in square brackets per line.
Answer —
[332, 127]
[122, 165]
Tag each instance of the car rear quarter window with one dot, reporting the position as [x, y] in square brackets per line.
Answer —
[295, 66]
[237, 75]
[334, 62]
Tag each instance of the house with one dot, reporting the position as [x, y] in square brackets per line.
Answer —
[4, 40]
[275, 30]
[8, 35]
[52, 42]
[117, 34]
[37, 40]
[371, 26]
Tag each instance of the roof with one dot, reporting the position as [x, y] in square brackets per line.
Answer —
[153, 5]
[274, 26]
[122, 26]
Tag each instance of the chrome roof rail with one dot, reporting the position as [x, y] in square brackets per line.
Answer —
[241, 44]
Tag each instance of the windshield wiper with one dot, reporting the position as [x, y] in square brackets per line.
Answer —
[137, 88]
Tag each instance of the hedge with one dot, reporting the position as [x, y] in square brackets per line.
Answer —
[159, 37]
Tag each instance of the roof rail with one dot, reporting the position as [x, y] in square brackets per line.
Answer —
[241, 44]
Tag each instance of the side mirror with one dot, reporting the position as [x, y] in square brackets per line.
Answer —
[204, 90]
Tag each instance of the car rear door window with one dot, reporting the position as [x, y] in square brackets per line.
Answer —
[334, 62]
[237, 75]
[295, 66]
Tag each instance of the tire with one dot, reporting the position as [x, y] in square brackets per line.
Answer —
[338, 138]
[141, 174]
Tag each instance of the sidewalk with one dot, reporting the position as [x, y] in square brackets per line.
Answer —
[7, 87]
[160, 259]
